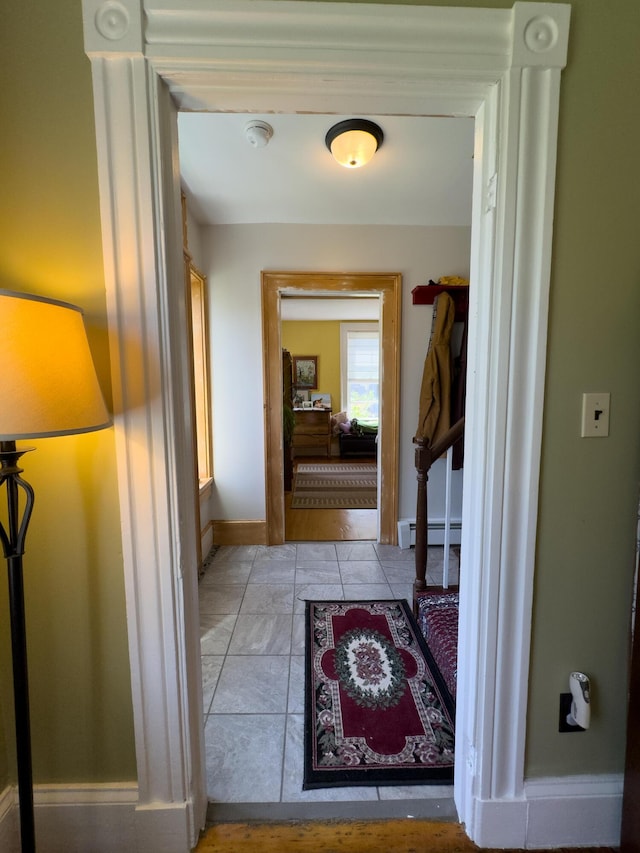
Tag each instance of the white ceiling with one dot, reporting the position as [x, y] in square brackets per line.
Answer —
[421, 175]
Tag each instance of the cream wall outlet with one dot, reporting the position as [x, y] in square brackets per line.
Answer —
[595, 415]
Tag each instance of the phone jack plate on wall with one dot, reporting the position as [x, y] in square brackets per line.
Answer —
[565, 709]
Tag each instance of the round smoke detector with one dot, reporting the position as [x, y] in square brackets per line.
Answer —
[258, 133]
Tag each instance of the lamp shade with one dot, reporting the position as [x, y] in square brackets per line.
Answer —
[353, 142]
[48, 383]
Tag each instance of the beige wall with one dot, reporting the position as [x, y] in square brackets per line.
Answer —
[51, 245]
[234, 255]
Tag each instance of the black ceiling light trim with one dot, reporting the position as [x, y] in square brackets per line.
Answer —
[354, 124]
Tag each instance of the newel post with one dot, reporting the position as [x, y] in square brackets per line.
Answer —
[423, 464]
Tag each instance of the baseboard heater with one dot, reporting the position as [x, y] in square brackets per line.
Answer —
[407, 533]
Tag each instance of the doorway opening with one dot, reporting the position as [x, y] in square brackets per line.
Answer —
[506, 73]
[388, 287]
[335, 447]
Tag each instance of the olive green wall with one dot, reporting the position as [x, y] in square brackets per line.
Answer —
[589, 487]
[589, 494]
[51, 245]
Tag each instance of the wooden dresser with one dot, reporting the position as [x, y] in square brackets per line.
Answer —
[312, 429]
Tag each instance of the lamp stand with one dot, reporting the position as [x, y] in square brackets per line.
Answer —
[13, 546]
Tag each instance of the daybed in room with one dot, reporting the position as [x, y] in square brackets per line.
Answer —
[354, 439]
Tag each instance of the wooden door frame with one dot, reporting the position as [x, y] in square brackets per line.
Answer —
[388, 286]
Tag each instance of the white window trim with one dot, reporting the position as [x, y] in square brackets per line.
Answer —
[501, 66]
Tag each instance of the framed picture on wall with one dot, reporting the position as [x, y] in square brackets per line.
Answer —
[305, 371]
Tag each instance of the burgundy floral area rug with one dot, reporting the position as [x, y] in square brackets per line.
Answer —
[377, 711]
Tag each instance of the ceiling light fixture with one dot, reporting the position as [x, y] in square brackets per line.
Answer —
[353, 142]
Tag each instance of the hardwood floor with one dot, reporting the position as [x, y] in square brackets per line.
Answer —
[391, 836]
[329, 525]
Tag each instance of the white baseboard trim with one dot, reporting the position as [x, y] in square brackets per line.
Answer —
[85, 817]
[407, 532]
[575, 811]
[102, 818]
[568, 811]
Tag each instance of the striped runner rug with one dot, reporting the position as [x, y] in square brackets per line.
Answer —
[338, 486]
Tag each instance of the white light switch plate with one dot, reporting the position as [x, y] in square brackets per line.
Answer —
[595, 415]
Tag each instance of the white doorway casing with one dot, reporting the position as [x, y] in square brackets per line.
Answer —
[149, 59]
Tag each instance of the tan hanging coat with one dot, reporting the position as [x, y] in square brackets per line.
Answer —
[435, 393]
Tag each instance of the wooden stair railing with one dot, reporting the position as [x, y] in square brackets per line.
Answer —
[426, 455]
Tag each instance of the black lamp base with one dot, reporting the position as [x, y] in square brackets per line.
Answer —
[13, 546]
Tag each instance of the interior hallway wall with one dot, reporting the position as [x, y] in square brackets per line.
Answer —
[234, 257]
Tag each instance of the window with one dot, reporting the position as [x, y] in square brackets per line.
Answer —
[196, 285]
[360, 371]
[200, 373]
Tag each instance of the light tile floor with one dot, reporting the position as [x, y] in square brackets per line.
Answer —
[252, 601]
